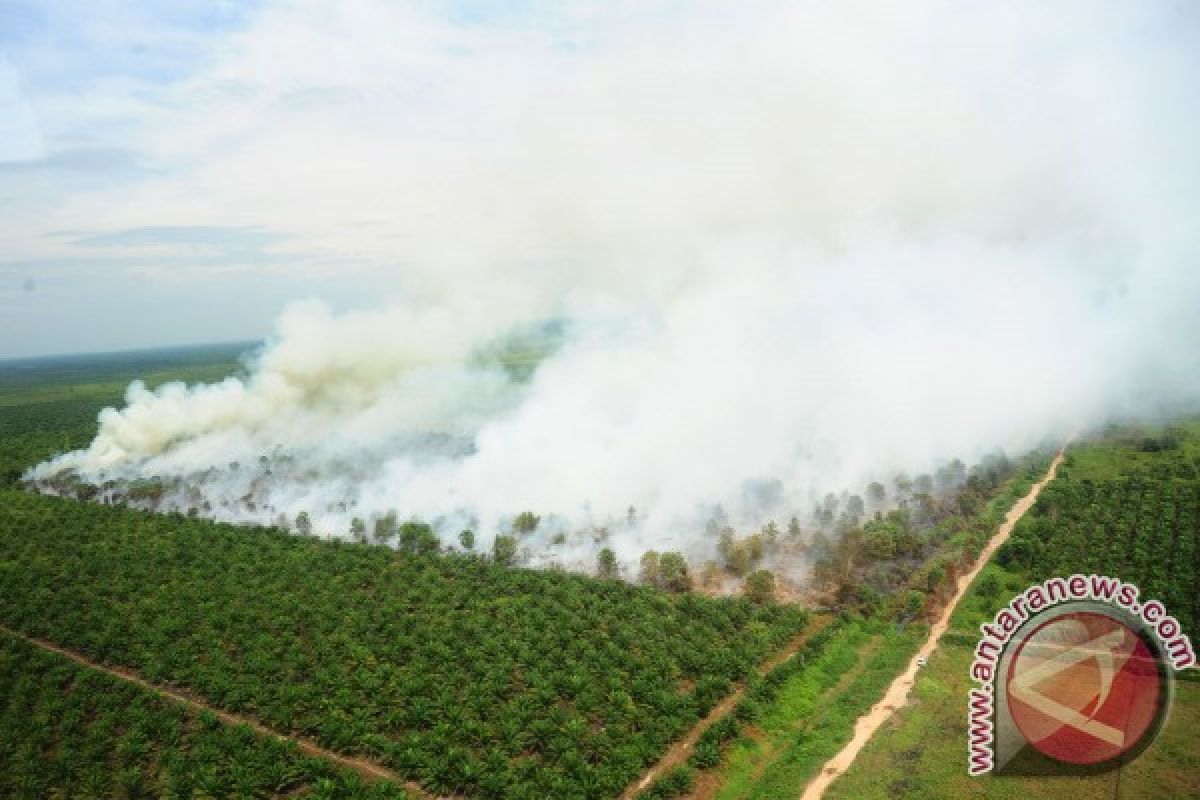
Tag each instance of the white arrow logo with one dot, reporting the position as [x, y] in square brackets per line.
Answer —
[1111, 651]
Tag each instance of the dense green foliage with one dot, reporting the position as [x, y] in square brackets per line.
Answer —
[48, 406]
[465, 675]
[66, 730]
[1139, 521]
[676, 782]
[761, 692]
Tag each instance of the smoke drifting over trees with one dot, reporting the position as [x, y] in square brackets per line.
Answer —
[775, 256]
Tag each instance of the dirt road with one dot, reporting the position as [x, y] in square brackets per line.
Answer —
[367, 770]
[897, 693]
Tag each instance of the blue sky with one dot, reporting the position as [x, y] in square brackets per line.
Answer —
[175, 172]
[75, 78]
[122, 221]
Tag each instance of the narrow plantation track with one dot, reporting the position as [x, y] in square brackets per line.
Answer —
[772, 750]
[681, 748]
[367, 770]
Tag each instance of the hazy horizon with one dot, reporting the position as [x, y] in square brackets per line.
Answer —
[238, 345]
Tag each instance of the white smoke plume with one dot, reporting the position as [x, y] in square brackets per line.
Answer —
[779, 252]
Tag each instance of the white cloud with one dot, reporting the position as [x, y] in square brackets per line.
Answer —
[20, 139]
[809, 242]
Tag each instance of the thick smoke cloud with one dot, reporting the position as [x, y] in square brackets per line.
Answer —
[786, 252]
